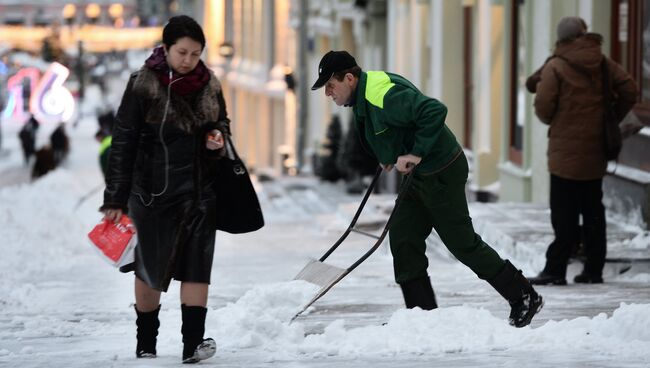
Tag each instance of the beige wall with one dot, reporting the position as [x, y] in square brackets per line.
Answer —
[263, 121]
[424, 43]
[489, 91]
[444, 77]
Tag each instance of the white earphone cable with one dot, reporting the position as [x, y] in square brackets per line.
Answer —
[162, 141]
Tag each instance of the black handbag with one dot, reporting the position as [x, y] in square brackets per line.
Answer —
[612, 132]
[238, 208]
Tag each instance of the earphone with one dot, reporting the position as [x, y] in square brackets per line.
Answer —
[162, 141]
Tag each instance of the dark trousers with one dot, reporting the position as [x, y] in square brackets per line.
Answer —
[437, 201]
[569, 200]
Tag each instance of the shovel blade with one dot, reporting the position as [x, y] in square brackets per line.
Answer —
[319, 273]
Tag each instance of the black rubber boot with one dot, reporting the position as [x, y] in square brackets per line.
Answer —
[547, 279]
[515, 288]
[419, 293]
[148, 324]
[195, 347]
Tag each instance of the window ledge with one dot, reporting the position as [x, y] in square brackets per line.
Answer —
[510, 168]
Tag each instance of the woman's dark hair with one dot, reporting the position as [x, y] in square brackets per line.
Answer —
[355, 71]
[182, 26]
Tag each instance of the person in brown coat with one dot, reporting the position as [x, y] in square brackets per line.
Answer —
[570, 100]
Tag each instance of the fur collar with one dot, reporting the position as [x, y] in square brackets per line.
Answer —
[187, 113]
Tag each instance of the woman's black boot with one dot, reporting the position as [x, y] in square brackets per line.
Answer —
[148, 324]
[195, 347]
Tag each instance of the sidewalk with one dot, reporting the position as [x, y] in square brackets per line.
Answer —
[519, 230]
[63, 306]
[524, 228]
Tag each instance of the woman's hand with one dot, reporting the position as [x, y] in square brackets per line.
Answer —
[113, 214]
[214, 140]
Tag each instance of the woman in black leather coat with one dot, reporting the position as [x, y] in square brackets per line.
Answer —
[167, 135]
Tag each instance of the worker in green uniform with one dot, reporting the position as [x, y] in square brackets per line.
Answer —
[406, 130]
[105, 139]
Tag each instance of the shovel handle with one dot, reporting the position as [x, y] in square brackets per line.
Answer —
[398, 201]
[403, 189]
[356, 215]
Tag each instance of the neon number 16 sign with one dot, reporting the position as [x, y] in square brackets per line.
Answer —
[49, 101]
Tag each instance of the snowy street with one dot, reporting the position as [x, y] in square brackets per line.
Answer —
[63, 306]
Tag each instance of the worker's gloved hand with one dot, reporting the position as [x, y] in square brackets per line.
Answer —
[406, 163]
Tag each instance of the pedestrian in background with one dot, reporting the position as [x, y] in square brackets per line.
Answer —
[104, 139]
[60, 143]
[406, 129]
[168, 131]
[104, 136]
[27, 136]
[570, 100]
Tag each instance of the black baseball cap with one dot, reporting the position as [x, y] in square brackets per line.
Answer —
[332, 62]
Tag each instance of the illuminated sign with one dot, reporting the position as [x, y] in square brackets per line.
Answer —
[49, 100]
[24, 81]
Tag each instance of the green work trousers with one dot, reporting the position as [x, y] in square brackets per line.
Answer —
[438, 201]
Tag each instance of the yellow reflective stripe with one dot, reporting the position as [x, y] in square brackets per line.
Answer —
[106, 142]
[378, 133]
[377, 86]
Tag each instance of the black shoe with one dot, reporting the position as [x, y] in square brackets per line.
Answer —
[547, 279]
[584, 278]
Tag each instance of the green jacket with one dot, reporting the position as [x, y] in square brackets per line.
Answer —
[396, 119]
[104, 150]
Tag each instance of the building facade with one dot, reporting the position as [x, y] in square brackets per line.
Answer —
[473, 55]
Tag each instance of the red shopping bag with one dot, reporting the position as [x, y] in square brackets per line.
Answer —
[114, 241]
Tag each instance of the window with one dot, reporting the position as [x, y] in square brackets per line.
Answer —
[631, 40]
[517, 81]
[468, 22]
[645, 47]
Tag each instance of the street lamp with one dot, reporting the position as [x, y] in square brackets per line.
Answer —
[116, 11]
[226, 50]
[69, 11]
[92, 12]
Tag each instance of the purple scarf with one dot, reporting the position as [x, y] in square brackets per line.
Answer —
[189, 83]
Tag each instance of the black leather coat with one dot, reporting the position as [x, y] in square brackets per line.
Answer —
[159, 171]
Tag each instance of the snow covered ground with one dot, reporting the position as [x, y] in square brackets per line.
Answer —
[62, 306]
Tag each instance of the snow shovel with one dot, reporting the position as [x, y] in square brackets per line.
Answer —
[325, 275]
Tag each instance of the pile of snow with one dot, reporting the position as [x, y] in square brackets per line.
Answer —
[42, 235]
[466, 329]
[259, 320]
